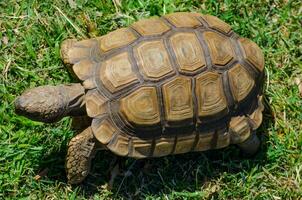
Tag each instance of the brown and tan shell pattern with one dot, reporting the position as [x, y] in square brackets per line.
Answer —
[183, 82]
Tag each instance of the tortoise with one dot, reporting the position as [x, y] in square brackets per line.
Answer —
[166, 85]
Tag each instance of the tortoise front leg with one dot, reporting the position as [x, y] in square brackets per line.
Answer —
[81, 150]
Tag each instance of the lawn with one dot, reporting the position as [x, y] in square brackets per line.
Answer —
[30, 35]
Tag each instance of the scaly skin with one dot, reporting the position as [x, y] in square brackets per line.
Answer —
[81, 150]
[52, 103]
[251, 145]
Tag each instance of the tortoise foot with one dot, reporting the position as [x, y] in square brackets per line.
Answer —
[250, 146]
[81, 150]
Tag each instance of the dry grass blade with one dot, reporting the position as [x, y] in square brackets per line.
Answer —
[117, 5]
[70, 22]
[298, 82]
[72, 4]
[6, 68]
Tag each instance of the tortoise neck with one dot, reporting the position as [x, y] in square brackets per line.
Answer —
[74, 96]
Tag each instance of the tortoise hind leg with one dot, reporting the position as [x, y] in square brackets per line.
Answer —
[243, 136]
[251, 145]
[243, 130]
[81, 150]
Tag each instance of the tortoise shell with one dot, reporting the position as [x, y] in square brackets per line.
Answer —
[183, 82]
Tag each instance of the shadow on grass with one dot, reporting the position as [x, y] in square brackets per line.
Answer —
[177, 173]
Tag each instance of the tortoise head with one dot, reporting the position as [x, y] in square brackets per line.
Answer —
[51, 103]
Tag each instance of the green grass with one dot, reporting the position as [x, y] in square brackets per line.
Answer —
[31, 32]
